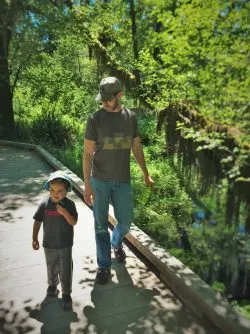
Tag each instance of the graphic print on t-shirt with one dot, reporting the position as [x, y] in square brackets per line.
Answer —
[51, 212]
[117, 143]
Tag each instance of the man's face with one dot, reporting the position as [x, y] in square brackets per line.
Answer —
[111, 105]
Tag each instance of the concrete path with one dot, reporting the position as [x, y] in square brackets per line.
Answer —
[134, 301]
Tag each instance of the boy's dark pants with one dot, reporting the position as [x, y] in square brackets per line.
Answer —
[60, 265]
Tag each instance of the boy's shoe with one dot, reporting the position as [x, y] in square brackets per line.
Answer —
[120, 255]
[52, 291]
[102, 275]
[66, 302]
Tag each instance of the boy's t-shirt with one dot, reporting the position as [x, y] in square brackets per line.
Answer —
[113, 133]
[57, 233]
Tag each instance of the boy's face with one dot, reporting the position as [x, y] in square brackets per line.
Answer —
[57, 192]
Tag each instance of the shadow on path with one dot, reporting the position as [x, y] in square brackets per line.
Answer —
[118, 308]
[55, 320]
[13, 320]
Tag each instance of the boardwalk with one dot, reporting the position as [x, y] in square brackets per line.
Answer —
[134, 301]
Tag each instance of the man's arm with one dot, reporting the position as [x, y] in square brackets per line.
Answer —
[89, 150]
[139, 157]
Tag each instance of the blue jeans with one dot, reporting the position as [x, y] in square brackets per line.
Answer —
[120, 195]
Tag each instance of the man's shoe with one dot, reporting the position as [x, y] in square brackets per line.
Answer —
[102, 275]
[120, 255]
[66, 302]
[52, 291]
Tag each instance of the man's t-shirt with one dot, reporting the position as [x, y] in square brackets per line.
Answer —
[113, 133]
[57, 233]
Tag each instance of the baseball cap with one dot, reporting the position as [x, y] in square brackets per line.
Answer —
[108, 88]
[58, 175]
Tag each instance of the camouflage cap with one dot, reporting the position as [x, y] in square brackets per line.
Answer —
[108, 88]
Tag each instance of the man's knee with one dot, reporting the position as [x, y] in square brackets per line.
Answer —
[125, 227]
[102, 234]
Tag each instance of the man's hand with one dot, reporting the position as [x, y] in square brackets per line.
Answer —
[89, 150]
[35, 244]
[149, 181]
[88, 195]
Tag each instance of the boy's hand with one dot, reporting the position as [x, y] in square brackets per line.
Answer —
[61, 209]
[70, 219]
[35, 244]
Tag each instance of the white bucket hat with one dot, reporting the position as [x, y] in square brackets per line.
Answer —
[59, 174]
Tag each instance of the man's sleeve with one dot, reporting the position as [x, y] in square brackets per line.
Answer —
[39, 215]
[90, 132]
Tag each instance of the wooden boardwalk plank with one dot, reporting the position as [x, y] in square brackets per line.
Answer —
[134, 301]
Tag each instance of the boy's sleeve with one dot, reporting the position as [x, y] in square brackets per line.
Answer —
[90, 132]
[74, 212]
[71, 208]
[39, 214]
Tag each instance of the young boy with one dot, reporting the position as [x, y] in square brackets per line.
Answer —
[58, 215]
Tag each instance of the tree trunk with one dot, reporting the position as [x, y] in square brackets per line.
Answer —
[230, 206]
[157, 28]
[248, 219]
[7, 125]
[134, 40]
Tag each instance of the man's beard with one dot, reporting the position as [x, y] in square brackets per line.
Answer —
[115, 104]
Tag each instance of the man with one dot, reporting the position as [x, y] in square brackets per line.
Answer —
[110, 135]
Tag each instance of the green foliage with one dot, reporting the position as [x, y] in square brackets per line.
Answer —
[46, 130]
[162, 212]
[213, 248]
[56, 94]
[147, 129]
[107, 23]
[202, 57]
[242, 307]
[60, 84]
[70, 156]
[185, 257]
[231, 161]
[218, 286]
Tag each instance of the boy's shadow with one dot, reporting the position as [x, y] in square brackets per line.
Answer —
[55, 320]
[117, 307]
